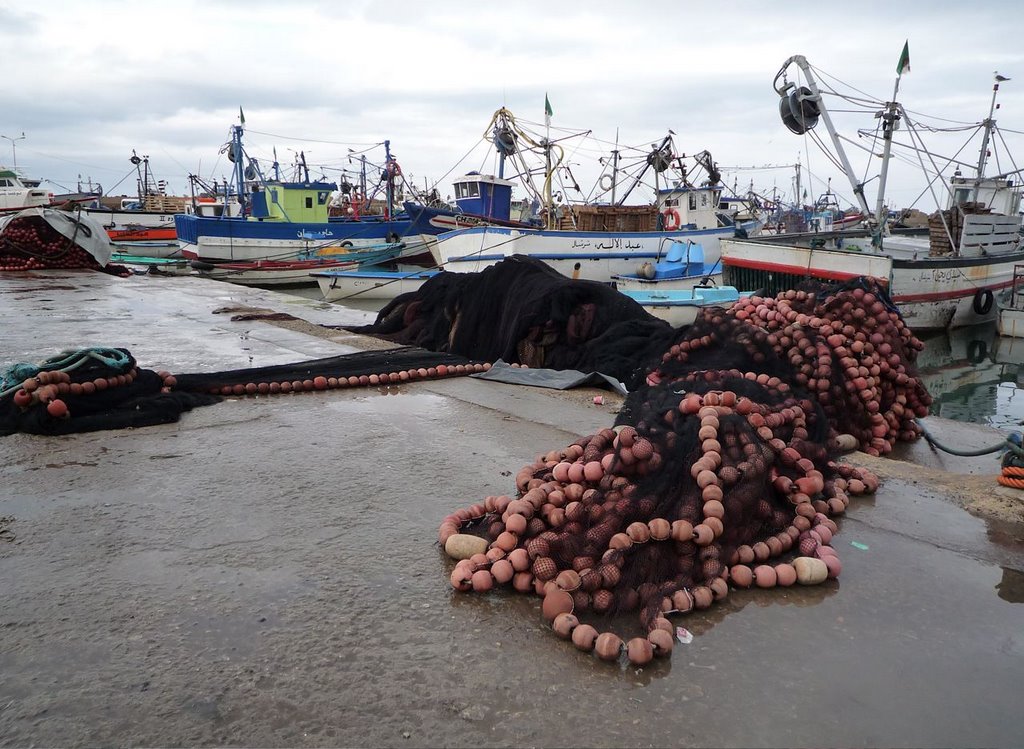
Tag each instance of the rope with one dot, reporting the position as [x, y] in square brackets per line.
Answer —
[1011, 443]
[66, 361]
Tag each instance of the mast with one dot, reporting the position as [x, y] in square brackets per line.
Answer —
[615, 165]
[389, 173]
[237, 155]
[989, 126]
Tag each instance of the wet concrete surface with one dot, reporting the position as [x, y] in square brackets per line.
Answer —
[265, 573]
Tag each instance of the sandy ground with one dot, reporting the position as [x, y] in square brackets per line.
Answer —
[265, 572]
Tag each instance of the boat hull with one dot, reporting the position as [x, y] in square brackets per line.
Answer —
[680, 307]
[593, 256]
[932, 293]
[215, 240]
[270, 272]
[340, 285]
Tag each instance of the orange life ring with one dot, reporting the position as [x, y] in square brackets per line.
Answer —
[670, 220]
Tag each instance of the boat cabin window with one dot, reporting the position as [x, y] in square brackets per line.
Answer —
[693, 201]
[671, 202]
[309, 202]
[6, 183]
[467, 190]
[961, 195]
[321, 197]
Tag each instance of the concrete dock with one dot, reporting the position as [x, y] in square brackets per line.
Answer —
[265, 572]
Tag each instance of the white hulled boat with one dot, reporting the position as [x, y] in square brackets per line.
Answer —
[946, 278]
[593, 241]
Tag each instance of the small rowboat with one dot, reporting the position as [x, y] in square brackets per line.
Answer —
[296, 271]
[369, 283]
[679, 307]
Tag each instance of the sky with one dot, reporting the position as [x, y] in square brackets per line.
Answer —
[88, 83]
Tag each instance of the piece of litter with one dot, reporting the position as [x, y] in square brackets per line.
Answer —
[859, 545]
[598, 400]
[684, 635]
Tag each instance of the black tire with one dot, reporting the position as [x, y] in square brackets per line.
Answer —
[392, 238]
[976, 351]
[983, 301]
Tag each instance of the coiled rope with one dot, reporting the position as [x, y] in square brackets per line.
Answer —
[66, 361]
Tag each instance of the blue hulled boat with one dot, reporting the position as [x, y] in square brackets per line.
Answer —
[289, 220]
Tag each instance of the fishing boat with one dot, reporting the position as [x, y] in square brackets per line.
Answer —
[16, 194]
[297, 271]
[683, 268]
[283, 220]
[142, 225]
[947, 277]
[370, 283]
[680, 307]
[593, 241]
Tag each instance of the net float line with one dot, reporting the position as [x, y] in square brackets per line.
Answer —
[91, 389]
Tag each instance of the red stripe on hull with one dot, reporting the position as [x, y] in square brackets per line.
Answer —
[794, 270]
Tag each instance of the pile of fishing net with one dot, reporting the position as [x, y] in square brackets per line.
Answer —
[720, 472]
[524, 312]
[91, 389]
[45, 238]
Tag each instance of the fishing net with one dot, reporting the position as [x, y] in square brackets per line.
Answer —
[44, 238]
[91, 389]
[522, 311]
[719, 472]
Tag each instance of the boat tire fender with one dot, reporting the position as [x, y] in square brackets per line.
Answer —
[983, 300]
[392, 238]
[976, 351]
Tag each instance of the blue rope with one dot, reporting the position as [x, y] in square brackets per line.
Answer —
[66, 361]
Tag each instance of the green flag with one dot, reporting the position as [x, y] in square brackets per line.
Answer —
[903, 66]
[547, 110]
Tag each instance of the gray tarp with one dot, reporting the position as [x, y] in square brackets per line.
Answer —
[557, 379]
[82, 229]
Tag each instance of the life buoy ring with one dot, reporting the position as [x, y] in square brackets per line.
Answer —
[670, 220]
[983, 300]
[606, 182]
[976, 351]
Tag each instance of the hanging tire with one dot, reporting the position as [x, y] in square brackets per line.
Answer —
[976, 352]
[983, 300]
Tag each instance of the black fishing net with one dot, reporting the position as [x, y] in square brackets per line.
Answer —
[523, 312]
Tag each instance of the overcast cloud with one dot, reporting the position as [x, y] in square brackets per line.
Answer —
[89, 82]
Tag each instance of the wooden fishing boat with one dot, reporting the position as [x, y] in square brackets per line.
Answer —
[592, 241]
[945, 277]
[680, 306]
[369, 283]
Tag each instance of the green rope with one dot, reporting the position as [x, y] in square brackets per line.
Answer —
[66, 361]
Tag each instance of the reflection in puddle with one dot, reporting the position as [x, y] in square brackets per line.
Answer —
[1011, 587]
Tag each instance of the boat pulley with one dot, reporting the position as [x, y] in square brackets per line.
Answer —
[660, 159]
[799, 109]
[504, 140]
